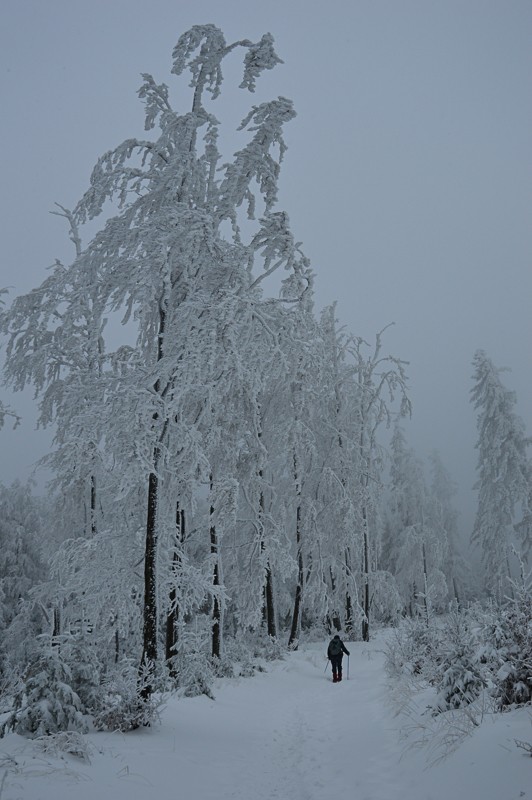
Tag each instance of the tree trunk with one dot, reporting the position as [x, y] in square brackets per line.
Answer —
[93, 505]
[296, 621]
[269, 605]
[57, 626]
[216, 610]
[365, 621]
[149, 639]
[268, 602]
[172, 617]
[296, 616]
[425, 582]
[334, 621]
[149, 651]
[413, 600]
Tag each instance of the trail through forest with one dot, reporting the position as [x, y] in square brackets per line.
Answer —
[287, 733]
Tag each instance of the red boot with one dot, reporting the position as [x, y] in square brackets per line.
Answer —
[339, 679]
[335, 679]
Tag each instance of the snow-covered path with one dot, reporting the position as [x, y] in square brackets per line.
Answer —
[324, 739]
[286, 734]
[308, 738]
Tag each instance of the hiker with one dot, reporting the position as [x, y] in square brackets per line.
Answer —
[335, 653]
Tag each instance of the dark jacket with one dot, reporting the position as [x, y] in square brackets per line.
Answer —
[342, 651]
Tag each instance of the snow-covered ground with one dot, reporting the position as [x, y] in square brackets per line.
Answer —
[286, 734]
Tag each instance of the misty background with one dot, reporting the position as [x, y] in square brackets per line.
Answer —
[408, 176]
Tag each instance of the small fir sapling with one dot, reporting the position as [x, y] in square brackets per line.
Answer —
[85, 668]
[194, 667]
[513, 681]
[45, 702]
[123, 706]
[414, 650]
[461, 681]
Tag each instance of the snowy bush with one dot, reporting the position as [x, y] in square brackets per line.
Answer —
[513, 681]
[248, 650]
[122, 705]
[70, 742]
[490, 634]
[461, 681]
[413, 650]
[223, 666]
[193, 665]
[505, 645]
[45, 702]
[85, 668]
[269, 648]
[238, 656]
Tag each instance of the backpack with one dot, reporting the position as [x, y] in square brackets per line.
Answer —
[335, 647]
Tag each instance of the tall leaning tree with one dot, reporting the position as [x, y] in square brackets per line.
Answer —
[170, 264]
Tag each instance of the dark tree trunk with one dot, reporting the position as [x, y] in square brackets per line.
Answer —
[149, 638]
[173, 613]
[365, 621]
[348, 599]
[149, 651]
[268, 610]
[334, 621]
[93, 505]
[294, 631]
[296, 616]
[348, 613]
[269, 604]
[413, 599]
[57, 627]
[216, 610]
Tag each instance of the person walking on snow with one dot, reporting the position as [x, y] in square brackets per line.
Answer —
[335, 653]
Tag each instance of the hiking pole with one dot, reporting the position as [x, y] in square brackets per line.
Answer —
[347, 667]
[326, 665]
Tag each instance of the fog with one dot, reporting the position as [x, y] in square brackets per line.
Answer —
[408, 176]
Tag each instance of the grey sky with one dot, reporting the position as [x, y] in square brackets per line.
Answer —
[408, 176]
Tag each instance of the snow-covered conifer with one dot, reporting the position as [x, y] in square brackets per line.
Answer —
[414, 547]
[503, 472]
[461, 678]
[45, 701]
[21, 548]
[444, 520]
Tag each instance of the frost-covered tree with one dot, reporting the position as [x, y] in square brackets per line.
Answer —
[379, 379]
[45, 701]
[460, 675]
[171, 259]
[55, 344]
[444, 520]
[6, 411]
[21, 549]
[414, 546]
[338, 554]
[216, 463]
[503, 472]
